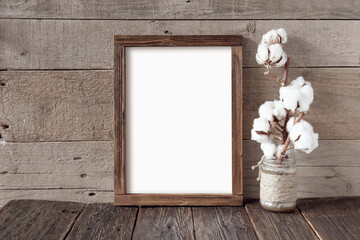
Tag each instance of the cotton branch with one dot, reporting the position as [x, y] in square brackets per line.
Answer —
[283, 81]
[282, 154]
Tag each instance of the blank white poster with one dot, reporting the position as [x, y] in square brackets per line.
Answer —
[178, 120]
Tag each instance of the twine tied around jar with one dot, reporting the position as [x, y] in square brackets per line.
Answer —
[259, 166]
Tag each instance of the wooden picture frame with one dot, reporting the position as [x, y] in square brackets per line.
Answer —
[121, 196]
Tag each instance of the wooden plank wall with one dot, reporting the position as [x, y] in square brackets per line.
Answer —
[56, 89]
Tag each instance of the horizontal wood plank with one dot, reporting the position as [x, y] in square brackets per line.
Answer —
[69, 195]
[178, 200]
[333, 113]
[104, 221]
[164, 223]
[78, 105]
[332, 218]
[26, 219]
[59, 105]
[217, 223]
[202, 9]
[88, 44]
[275, 225]
[57, 165]
[83, 171]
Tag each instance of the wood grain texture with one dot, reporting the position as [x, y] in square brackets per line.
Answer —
[27, 219]
[83, 171]
[202, 9]
[333, 112]
[275, 225]
[72, 195]
[119, 120]
[88, 44]
[237, 120]
[222, 223]
[77, 165]
[333, 218]
[104, 221]
[78, 105]
[178, 200]
[177, 40]
[164, 223]
[57, 106]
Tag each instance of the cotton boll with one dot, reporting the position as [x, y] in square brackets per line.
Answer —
[290, 95]
[283, 35]
[307, 97]
[278, 110]
[282, 61]
[315, 143]
[275, 53]
[260, 138]
[270, 37]
[307, 142]
[262, 54]
[299, 128]
[298, 82]
[261, 124]
[290, 124]
[269, 149]
[266, 110]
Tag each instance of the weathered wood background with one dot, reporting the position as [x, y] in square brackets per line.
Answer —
[56, 87]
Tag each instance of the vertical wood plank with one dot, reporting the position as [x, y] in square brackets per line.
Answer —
[29, 219]
[104, 221]
[222, 223]
[164, 223]
[119, 121]
[333, 218]
[237, 113]
[275, 225]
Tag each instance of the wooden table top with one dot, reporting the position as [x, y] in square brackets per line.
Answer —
[334, 218]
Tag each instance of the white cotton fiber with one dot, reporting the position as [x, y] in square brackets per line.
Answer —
[307, 142]
[298, 128]
[262, 54]
[306, 93]
[268, 149]
[290, 95]
[261, 124]
[298, 82]
[283, 35]
[282, 61]
[290, 124]
[278, 111]
[260, 138]
[270, 37]
[307, 97]
[275, 53]
[266, 110]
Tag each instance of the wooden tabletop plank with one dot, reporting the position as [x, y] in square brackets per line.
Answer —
[164, 223]
[274, 225]
[222, 223]
[29, 219]
[333, 218]
[104, 221]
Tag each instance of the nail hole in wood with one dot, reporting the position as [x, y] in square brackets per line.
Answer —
[92, 194]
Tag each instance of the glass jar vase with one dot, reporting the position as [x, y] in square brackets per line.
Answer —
[278, 185]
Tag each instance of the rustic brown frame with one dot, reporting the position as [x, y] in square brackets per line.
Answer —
[124, 199]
